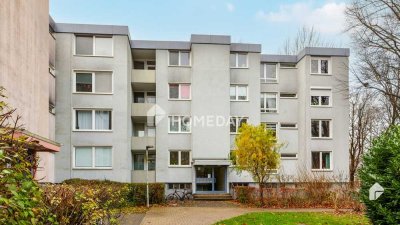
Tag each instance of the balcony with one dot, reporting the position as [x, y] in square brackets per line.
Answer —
[143, 76]
[140, 143]
[143, 110]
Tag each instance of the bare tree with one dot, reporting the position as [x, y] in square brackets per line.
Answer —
[374, 26]
[364, 126]
[306, 37]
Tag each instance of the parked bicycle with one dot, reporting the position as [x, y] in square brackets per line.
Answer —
[186, 194]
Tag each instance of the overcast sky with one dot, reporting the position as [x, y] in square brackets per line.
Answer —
[266, 22]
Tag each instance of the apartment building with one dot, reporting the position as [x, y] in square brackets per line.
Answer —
[182, 102]
[27, 63]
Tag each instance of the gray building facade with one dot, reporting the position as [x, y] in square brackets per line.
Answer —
[183, 102]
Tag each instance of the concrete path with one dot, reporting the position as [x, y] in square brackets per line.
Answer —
[204, 215]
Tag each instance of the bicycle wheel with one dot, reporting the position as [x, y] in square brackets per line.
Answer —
[188, 196]
[171, 197]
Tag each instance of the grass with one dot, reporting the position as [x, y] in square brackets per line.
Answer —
[295, 218]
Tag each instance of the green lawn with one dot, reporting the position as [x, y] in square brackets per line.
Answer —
[295, 218]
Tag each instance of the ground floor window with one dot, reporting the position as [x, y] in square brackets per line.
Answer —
[139, 161]
[179, 158]
[92, 157]
[180, 186]
[321, 160]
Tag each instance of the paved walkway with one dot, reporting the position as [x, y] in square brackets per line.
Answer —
[204, 215]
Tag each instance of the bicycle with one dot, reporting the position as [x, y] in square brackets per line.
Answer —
[180, 195]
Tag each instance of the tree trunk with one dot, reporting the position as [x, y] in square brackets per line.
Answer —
[261, 193]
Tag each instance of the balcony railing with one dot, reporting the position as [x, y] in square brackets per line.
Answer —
[143, 76]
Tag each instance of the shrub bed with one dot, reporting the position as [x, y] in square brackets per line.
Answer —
[302, 196]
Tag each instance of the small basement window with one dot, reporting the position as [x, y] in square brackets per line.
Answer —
[288, 95]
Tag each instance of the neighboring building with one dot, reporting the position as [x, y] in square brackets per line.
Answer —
[115, 97]
[27, 62]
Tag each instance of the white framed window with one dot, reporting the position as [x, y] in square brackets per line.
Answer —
[180, 158]
[144, 64]
[98, 82]
[288, 125]
[287, 95]
[320, 66]
[94, 45]
[179, 58]
[269, 102]
[321, 160]
[269, 73]
[321, 97]
[273, 126]
[236, 122]
[179, 124]
[238, 60]
[182, 186]
[238, 92]
[144, 97]
[321, 128]
[92, 157]
[179, 91]
[288, 156]
[92, 120]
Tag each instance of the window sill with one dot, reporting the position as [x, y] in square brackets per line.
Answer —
[176, 166]
[96, 56]
[105, 131]
[288, 97]
[92, 93]
[169, 132]
[321, 74]
[239, 67]
[321, 170]
[240, 100]
[289, 128]
[321, 138]
[92, 168]
[288, 68]
[270, 82]
[187, 66]
[286, 158]
[173, 99]
[270, 112]
[321, 106]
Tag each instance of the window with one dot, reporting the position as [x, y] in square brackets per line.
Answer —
[139, 129]
[288, 125]
[320, 66]
[320, 128]
[93, 82]
[88, 119]
[269, 102]
[94, 45]
[238, 60]
[272, 127]
[288, 155]
[179, 158]
[238, 92]
[236, 123]
[287, 65]
[151, 161]
[288, 95]
[179, 124]
[92, 157]
[179, 91]
[182, 186]
[138, 161]
[321, 97]
[269, 72]
[321, 160]
[144, 97]
[179, 58]
[144, 64]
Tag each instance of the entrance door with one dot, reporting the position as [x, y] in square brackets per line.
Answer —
[211, 179]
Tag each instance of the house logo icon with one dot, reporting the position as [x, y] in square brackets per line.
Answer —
[155, 114]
